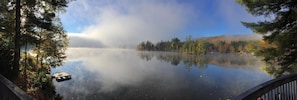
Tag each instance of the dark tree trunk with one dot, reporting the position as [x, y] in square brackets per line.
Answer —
[17, 37]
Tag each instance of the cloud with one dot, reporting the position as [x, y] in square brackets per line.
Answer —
[80, 40]
[128, 22]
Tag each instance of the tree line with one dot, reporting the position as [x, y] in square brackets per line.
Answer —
[201, 46]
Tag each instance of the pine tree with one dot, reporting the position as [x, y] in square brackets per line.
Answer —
[279, 31]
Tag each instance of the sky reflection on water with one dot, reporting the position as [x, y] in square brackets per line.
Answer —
[110, 74]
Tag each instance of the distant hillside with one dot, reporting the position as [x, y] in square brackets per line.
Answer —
[233, 37]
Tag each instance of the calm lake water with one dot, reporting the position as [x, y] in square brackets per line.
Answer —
[112, 74]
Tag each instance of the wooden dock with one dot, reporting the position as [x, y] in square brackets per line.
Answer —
[61, 76]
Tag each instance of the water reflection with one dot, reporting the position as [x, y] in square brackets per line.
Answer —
[108, 74]
[201, 61]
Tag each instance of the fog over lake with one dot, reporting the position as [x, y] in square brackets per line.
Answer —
[122, 74]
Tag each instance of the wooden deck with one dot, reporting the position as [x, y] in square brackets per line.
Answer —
[9, 91]
[283, 88]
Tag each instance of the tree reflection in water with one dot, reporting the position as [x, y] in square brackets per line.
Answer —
[219, 59]
[201, 61]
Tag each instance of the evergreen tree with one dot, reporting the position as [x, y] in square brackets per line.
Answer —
[7, 31]
[175, 44]
[280, 31]
[36, 23]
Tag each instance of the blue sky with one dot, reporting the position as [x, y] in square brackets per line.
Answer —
[128, 22]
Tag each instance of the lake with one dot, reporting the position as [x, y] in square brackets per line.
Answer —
[120, 74]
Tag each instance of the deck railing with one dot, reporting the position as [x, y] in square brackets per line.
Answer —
[283, 88]
[9, 91]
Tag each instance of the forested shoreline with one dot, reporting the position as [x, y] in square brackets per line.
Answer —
[202, 46]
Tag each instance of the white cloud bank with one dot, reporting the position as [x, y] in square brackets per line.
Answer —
[129, 22]
[126, 23]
